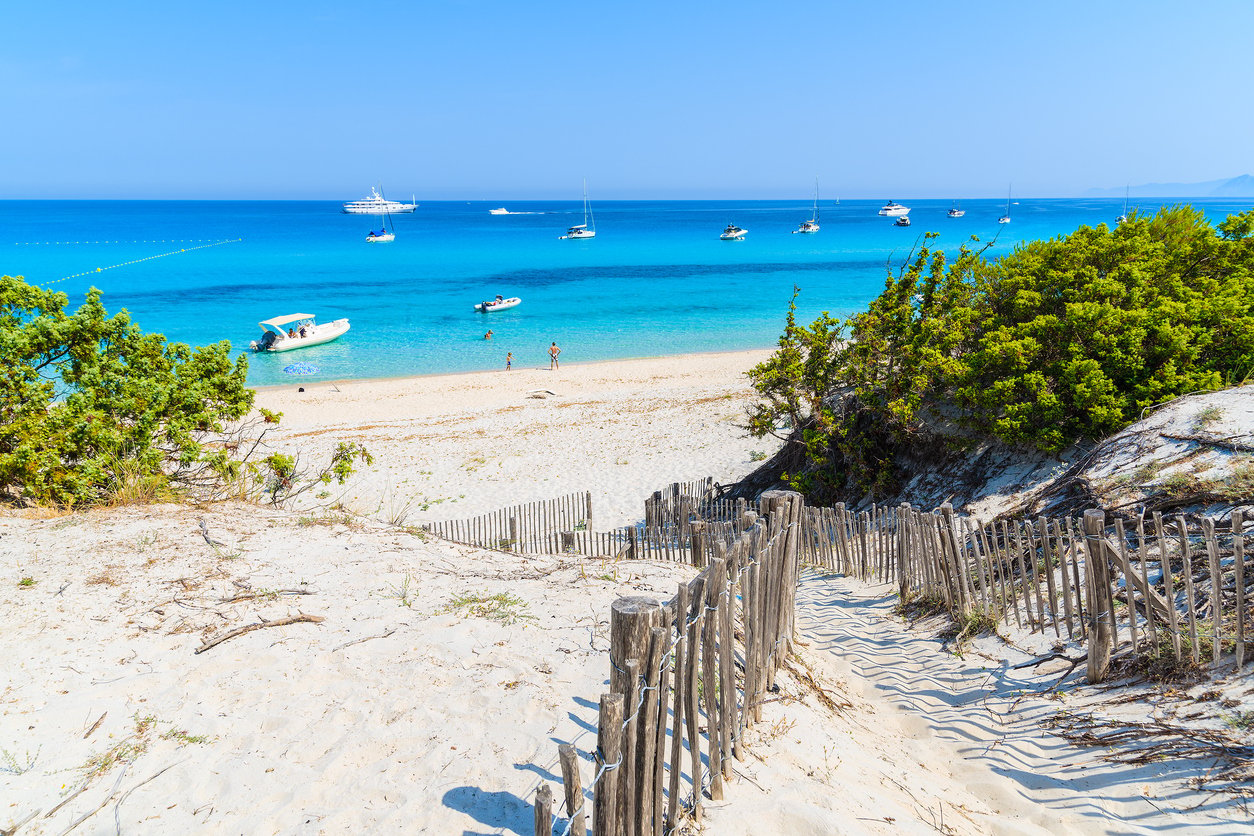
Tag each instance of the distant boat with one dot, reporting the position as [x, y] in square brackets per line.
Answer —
[376, 204]
[1005, 219]
[302, 332]
[386, 233]
[957, 211]
[1123, 219]
[501, 211]
[893, 210]
[500, 303]
[732, 233]
[903, 220]
[812, 225]
[587, 229]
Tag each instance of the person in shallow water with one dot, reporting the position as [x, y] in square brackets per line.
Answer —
[488, 335]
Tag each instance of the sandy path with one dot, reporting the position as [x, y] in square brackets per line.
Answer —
[968, 727]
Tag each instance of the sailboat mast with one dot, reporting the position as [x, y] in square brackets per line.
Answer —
[587, 211]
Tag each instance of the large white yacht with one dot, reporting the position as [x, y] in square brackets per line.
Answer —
[376, 204]
[892, 210]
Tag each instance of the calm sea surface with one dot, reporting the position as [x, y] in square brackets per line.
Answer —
[656, 280]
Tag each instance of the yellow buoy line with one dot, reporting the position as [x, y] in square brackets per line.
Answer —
[141, 260]
[154, 241]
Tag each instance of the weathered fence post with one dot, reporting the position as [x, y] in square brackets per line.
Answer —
[573, 788]
[1238, 553]
[1102, 606]
[903, 551]
[609, 756]
[544, 810]
[514, 545]
[632, 620]
[698, 540]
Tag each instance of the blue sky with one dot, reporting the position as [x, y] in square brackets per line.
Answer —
[491, 100]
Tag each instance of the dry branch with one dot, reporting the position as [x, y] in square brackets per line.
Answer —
[248, 628]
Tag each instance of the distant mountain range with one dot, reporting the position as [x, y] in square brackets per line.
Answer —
[1242, 186]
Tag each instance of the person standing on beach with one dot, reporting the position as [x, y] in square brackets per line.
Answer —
[553, 352]
[509, 359]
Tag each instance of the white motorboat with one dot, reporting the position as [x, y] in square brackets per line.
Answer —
[733, 233]
[500, 303]
[376, 204]
[501, 211]
[956, 211]
[587, 229]
[893, 210]
[298, 330]
[902, 220]
[1005, 219]
[811, 226]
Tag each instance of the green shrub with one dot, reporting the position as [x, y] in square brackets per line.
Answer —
[93, 409]
[1060, 340]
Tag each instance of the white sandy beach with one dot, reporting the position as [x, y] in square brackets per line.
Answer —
[451, 446]
[409, 707]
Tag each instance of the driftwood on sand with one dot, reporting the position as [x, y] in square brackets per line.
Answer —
[248, 628]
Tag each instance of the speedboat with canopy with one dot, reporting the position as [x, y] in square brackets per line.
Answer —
[732, 233]
[298, 330]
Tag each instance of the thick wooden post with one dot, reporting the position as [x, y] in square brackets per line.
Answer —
[646, 745]
[609, 754]
[544, 810]
[698, 541]
[573, 787]
[632, 620]
[1102, 608]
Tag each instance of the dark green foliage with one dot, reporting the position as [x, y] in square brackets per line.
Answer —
[83, 392]
[92, 408]
[1058, 341]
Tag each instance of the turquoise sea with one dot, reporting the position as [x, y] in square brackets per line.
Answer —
[656, 280]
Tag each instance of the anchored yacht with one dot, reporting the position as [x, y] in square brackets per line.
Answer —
[733, 233]
[892, 210]
[376, 204]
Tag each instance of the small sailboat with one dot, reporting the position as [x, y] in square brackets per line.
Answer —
[587, 229]
[1123, 219]
[386, 233]
[812, 225]
[956, 211]
[732, 233]
[1005, 219]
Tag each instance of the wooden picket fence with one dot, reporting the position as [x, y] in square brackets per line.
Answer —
[673, 670]
[1160, 586]
[564, 525]
[1167, 587]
